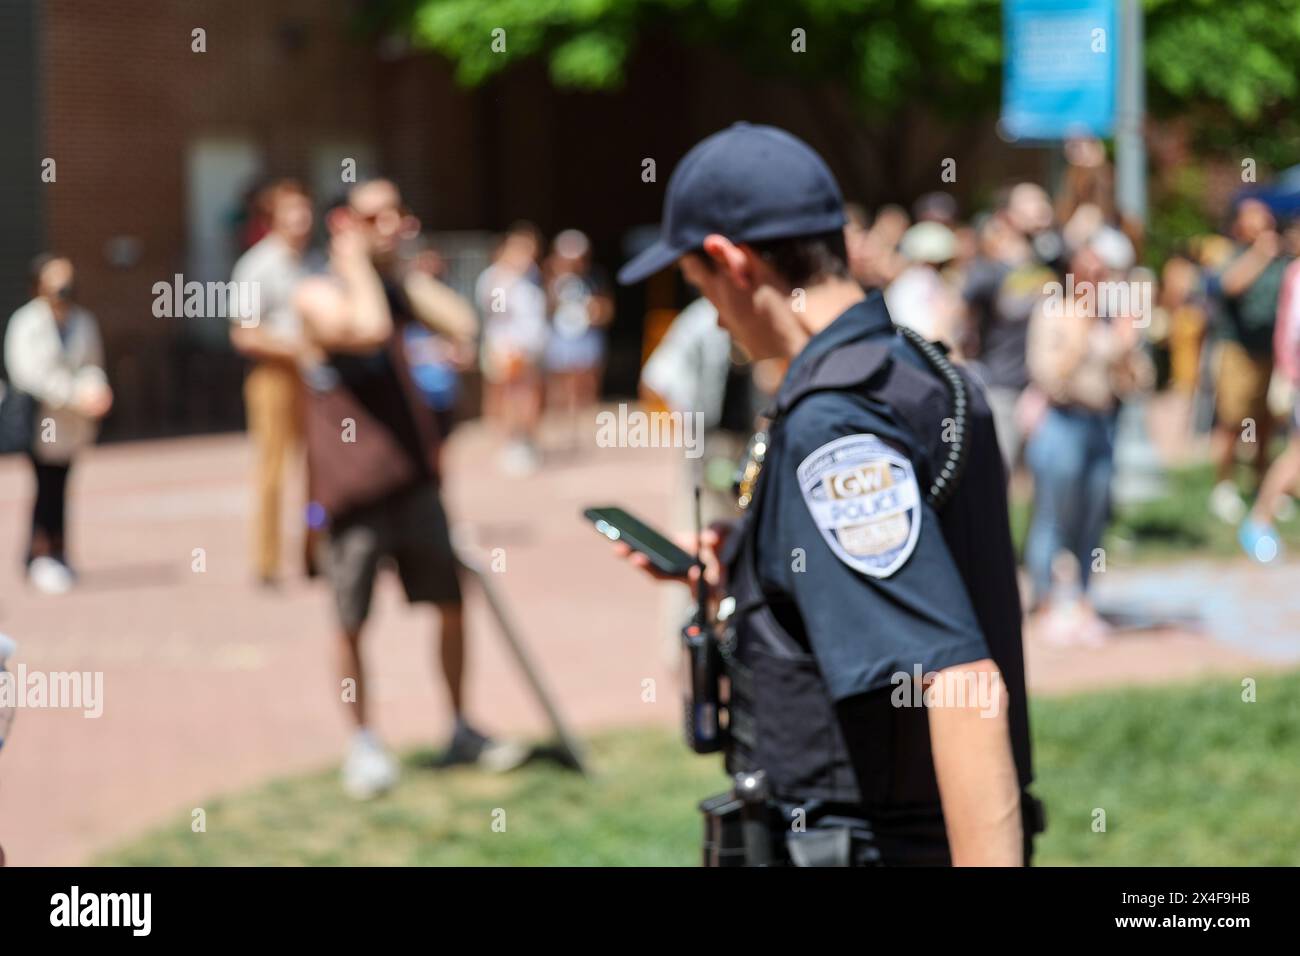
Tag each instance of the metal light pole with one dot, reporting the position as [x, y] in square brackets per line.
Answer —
[1130, 143]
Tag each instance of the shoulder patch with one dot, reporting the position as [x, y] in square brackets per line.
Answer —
[864, 499]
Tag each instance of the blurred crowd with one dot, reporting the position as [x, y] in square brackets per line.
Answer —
[534, 331]
[356, 350]
[1042, 297]
[543, 336]
[1045, 302]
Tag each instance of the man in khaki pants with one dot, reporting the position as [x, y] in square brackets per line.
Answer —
[272, 337]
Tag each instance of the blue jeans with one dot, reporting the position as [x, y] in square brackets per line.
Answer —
[1072, 457]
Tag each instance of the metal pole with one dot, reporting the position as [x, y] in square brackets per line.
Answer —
[1130, 142]
[567, 749]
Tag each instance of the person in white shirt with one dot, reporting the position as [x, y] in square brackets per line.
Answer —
[920, 298]
[513, 306]
[272, 339]
[53, 353]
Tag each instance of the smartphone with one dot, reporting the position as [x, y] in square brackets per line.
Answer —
[617, 525]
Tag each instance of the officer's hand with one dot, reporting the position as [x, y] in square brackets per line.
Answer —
[711, 541]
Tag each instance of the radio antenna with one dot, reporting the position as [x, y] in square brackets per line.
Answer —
[701, 586]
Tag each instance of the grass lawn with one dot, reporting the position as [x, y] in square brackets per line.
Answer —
[1187, 775]
[1176, 527]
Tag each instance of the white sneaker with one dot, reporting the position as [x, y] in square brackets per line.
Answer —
[1226, 503]
[1071, 624]
[369, 770]
[50, 576]
[502, 756]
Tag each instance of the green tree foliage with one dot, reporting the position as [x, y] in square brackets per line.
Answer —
[887, 52]
[1233, 63]
[1230, 71]
[1238, 55]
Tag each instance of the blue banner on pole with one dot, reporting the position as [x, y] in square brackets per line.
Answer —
[1059, 68]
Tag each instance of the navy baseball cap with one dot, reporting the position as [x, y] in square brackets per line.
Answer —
[748, 183]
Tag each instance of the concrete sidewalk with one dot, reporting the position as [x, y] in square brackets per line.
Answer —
[211, 684]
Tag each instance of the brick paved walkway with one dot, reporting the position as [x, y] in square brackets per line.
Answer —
[212, 684]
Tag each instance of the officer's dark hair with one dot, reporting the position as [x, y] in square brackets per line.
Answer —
[805, 260]
[801, 260]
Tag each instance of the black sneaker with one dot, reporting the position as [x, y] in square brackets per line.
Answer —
[468, 746]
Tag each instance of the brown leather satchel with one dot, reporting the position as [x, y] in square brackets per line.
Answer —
[356, 458]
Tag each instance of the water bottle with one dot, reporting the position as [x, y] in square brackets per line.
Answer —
[8, 701]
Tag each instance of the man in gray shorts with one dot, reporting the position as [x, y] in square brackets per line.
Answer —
[372, 445]
[410, 529]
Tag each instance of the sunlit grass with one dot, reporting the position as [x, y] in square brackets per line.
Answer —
[1185, 775]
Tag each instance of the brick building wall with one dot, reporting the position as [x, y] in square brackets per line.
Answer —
[126, 98]
[138, 124]
[20, 108]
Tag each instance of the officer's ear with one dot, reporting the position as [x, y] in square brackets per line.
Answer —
[729, 258]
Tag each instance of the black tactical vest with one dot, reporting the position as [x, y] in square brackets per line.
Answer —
[780, 715]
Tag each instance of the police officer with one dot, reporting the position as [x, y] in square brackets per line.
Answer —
[870, 629]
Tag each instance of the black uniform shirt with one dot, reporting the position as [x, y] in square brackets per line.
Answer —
[857, 568]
